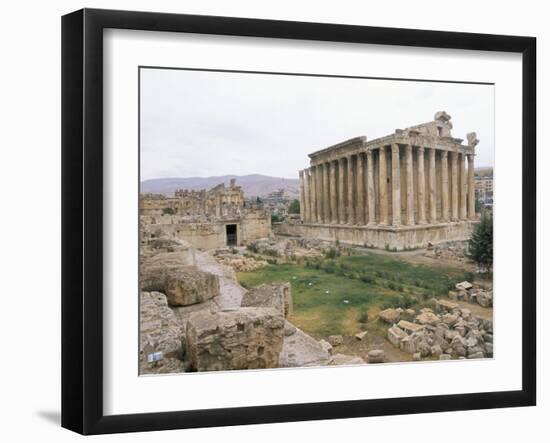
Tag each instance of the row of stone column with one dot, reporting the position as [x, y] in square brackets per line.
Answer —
[342, 191]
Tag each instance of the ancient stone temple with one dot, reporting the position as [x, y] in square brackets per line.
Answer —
[399, 191]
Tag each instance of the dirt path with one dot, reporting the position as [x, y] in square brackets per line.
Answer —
[231, 292]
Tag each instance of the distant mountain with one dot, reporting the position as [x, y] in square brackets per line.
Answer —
[253, 185]
[484, 171]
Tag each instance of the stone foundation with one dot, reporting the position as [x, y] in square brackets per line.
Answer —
[381, 237]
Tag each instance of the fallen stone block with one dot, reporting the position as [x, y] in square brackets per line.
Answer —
[445, 305]
[361, 335]
[390, 315]
[183, 284]
[453, 295]
[245, 338]
[417, 356]
[410, 327]
[465, 285]
[159, 329]
[300, 350]
[445, 357]
[326, 346]
[484, 299]
[427, 318]
[476, 355]
[341, 359]
[376, 356]
[408, 345]
[395, 335]
[275, 295]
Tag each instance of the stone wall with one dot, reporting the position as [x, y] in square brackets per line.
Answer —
[400, 238]
[210, 234]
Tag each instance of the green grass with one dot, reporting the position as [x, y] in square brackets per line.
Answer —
[368, 282]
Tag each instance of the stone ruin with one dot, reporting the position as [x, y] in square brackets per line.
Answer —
[194, 316]
[401, 191]
[465, 291]
[448, 333]
[206, 219]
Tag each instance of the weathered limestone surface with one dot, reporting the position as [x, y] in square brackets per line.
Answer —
[171, 274]
[275, 295]
[382, 186]
[396, 186]
[454, 333]
[345, 360]
[421, 186]
[410, 185]
[300, 349]
[159, 329]
[390, 315]
[405, 236]
[246, 338]
[396, 334]
[376, 356]
[370, 190]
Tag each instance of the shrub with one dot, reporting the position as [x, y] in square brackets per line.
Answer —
[168, 211]
[367, 278]
[480, 245]
[294, 207]
[468, 276]
[332, 253]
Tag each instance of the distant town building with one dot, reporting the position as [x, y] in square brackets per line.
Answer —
[484, 189]
[278, 202]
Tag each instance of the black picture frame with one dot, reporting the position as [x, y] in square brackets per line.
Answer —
[82, 215]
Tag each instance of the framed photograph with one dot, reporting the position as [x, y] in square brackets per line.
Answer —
[269, 221]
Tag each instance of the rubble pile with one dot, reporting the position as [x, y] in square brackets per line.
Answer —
[450, 332]
[450, 250]
[238, 261]
[465, 291]
[288, 248]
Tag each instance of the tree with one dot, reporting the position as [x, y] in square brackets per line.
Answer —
[294, 207]
[480, 245]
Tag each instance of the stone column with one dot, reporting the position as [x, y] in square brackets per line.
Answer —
[409, 184]
[463, 187]
[351, 203]
[444, 186]
[431, 180]
[383, 187]
[454, 186]
[326, 193]
[395, 185]
[307, 196]
[360, 215]
[319, 192]
[421, 187]
[471, 188]
[370, 189]
[333, 205]
[341, 191]
[302, 196]
[313, 193]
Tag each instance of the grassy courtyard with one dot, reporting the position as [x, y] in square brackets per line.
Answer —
[336, 295]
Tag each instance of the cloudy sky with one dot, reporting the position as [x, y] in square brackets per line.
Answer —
[196, 123]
